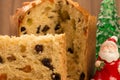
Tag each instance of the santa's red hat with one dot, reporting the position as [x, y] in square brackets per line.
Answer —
[110, 41]
[113, 38]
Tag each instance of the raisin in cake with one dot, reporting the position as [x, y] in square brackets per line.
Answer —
[62, 16]
[32, 58]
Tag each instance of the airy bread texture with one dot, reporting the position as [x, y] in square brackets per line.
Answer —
[33, 58]
[43, 17]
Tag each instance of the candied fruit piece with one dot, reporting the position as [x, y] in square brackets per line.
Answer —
[3, 76]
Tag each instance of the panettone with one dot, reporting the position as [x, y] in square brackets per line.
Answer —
[43, 17]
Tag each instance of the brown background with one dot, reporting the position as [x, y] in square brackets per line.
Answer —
[8, 7]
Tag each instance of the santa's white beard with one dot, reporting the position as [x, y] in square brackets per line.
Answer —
[109, 55]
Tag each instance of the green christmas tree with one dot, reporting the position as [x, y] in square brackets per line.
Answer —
[107, 25]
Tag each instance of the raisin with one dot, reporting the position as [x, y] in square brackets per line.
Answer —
[46, 28]
[28, 12]
[38, 29]
[57, 26]
[58, 29]
[67, 2]
[82, 76]
[79, 20]
[24, 56]
[50, 17]
[23, 29]
[47, 62]
[85, 29]
[39, 48]
[11, 58]
[56, 76]
[25, 33]
[26, 69]
[1, 60]
[3, 76]
[65, 15]
[70, 50]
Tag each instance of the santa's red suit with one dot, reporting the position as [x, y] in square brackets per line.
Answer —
[109, 71]
[111, 68]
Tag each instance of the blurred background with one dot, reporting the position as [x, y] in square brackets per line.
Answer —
[8, 8]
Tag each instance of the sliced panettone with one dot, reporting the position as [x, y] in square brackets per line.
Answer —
[33, 58]
[41, 17]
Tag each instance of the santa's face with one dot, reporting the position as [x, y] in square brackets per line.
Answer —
[109, 51]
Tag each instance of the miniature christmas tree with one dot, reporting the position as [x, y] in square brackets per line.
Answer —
[107, 25]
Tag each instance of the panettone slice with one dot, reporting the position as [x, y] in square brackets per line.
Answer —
[31, 57]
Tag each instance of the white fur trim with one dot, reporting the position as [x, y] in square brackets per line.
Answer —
[115, 38]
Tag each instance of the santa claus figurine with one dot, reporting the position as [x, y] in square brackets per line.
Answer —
[108, 62]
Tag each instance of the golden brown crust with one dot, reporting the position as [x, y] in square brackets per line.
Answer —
[81, 9]
[90, 33]
[90, 48]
